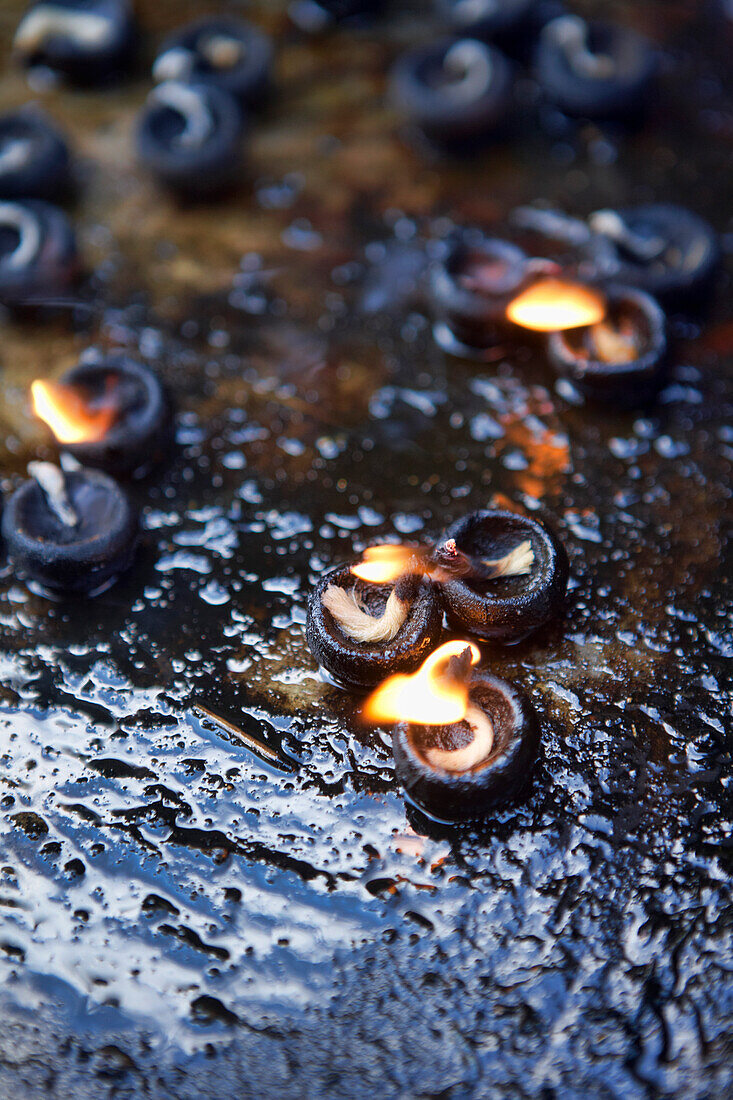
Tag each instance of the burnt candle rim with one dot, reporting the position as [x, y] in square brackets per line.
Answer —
[454, 797]
[361, 666]
[566, 362]
[429, 106]
[539, 534]
[479, 678]
[162, 155]
[22, 498]
[450, 296]
[154, 419]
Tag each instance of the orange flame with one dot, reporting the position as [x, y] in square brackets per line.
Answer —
[427, 696]
[553, 305]
[68, 415]
[381, 564]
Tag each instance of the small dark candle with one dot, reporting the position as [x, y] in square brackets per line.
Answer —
[594, 69]
[88, 41]
[38, 256]
[34, 158]
[464, 770]
[502, 575]
[456, 91]
[227, 52]
[113, 414]
[662, 248]
[361, 632]
[70, 532]
[471, 288]
[190, 137]
[622, 358]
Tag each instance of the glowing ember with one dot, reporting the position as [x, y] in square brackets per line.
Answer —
[553, 305]
[68, 415]
[430, 696]
[382, 564]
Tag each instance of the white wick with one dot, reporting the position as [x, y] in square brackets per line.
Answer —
[571, 34]
[87, 29]
[609, 223]
[175, 64]
[470, 61]
[468, 756]
[222, 51]
[29, 233]
[53, 483]
[15, 154]
[189, 104]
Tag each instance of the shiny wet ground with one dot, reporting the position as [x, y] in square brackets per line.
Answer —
[190, 911]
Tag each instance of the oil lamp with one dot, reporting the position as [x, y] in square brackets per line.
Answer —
[621, 358]
[190, 137]
[662, 248]
[470, 288]
[455, 91]
[490, 19]
[594, 69]
[362, 626]
[37, 252]
[34, 158]
[88, 41]
[70, 532]
[464, 740]
[113, 414]
[502, 575]
[228, 52]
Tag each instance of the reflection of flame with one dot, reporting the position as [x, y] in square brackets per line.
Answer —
[428, 696]
[553, 305]
[68, 415]
[383, 563]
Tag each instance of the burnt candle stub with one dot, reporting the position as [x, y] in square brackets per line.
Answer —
[464, 770]
[34, 157]
[88, 41]
[662, 248]
[502, 576]
[112, 414]
[594, 69]
[190, 137]
[621, 359]
[457, 91]
[227, 52]
[472, 286]
[72, 532]
[361, 632]
[38, 256]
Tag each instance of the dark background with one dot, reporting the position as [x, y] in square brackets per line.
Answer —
[182, 919]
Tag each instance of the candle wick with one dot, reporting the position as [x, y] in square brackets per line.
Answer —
[52, 481]
[467, 756]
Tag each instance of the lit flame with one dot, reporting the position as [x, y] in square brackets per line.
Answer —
[381, 564]
[68, 415]
[427, 696]
[553, 305]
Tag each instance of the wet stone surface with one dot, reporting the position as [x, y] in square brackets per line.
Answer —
[188, 912]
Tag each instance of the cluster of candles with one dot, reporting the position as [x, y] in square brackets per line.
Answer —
[601, 309]
[460, 89]
[72, 528]
[464, 740]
